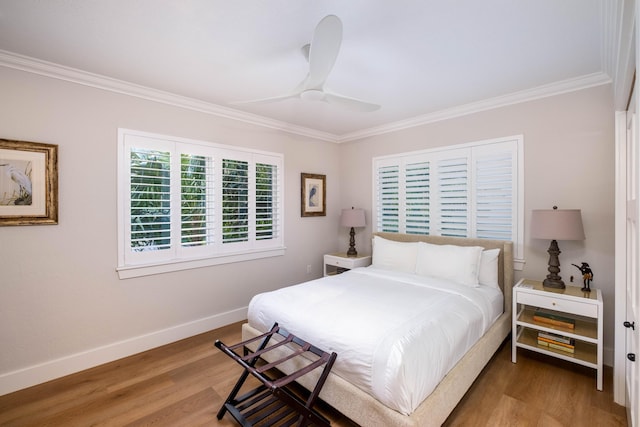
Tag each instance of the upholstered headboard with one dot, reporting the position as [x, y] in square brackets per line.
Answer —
[505, 259]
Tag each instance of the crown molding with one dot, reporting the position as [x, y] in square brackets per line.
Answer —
[49, 69]
[557, 88]
[61, 72]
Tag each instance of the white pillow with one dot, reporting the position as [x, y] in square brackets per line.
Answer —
[396, 256]
[460, 264]
[488, 274]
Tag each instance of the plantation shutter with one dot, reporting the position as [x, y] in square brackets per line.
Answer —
[186, 204]
[388, 198]
[495, 190]
[235, 201]
[453, 196]
[267, 197]
[150, 201]
[418, 197]
[463, 191]
[197, 200]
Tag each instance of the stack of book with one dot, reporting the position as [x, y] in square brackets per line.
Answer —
[557, 342]
[554, 319]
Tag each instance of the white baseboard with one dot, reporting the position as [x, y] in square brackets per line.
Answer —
[43, 372]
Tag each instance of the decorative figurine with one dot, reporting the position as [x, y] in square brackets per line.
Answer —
[587, 275]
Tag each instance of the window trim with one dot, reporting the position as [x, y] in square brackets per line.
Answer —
[256, 250]
[439, 152]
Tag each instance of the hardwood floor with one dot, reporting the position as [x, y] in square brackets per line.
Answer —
[185, 383]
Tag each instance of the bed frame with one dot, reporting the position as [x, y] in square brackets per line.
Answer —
[434, 410]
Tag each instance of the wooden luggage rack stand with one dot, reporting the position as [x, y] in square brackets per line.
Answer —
[272, 402]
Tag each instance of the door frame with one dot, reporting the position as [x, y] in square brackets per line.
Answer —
[619, 371]
[625, 79]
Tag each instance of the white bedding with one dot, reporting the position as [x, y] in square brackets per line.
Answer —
[396, 334]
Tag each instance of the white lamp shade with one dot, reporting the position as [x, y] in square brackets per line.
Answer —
[557, 224]
[352, 218]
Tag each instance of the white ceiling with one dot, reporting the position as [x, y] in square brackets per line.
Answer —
[418, 59]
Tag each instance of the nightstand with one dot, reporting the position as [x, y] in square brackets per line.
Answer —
[563, 323]
[338, 262]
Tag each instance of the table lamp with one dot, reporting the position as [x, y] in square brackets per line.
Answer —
[556, 224]
[352, 218]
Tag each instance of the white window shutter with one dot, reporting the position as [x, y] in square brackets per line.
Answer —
[235, 201]
[197, 200]
[453, 196]
[388, 198]
[418, 197]
[150, 209]
[495, 189]
[268, 200]
[183, 203]
[470, 190]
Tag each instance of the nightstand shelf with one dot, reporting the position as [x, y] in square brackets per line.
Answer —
[336, 263]
[585, 353]
[583, 308]
[585, 330]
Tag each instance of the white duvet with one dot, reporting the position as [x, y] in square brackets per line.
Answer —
[396, 335]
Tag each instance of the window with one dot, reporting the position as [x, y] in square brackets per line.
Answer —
[470, 190]
[186, 204]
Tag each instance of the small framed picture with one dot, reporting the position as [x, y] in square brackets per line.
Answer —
[313, 195]
[28, 183]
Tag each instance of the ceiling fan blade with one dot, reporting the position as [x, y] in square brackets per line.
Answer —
[351, 103]
[267, 100]
[323, 51]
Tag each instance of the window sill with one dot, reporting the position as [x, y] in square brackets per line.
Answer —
[131, 271]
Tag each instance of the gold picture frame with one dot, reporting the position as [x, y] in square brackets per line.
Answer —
[313, 194]
[28, 183]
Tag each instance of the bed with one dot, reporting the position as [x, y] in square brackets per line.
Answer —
[352, 393]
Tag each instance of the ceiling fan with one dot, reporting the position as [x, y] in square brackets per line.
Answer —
[321, 54]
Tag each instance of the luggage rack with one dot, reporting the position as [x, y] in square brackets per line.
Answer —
[272, 402]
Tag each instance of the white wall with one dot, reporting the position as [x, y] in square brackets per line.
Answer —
[62, 306]
[569, 162]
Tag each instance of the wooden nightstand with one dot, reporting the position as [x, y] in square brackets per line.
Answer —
[568, 306]
[338, 262]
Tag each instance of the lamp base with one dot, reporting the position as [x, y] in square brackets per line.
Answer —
[553, 279]
[352, 244]
[553, 283]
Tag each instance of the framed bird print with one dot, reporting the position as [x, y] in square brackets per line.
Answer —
[313, 195]
[28, 183]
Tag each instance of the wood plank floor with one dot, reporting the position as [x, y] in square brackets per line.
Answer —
[185, 383]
